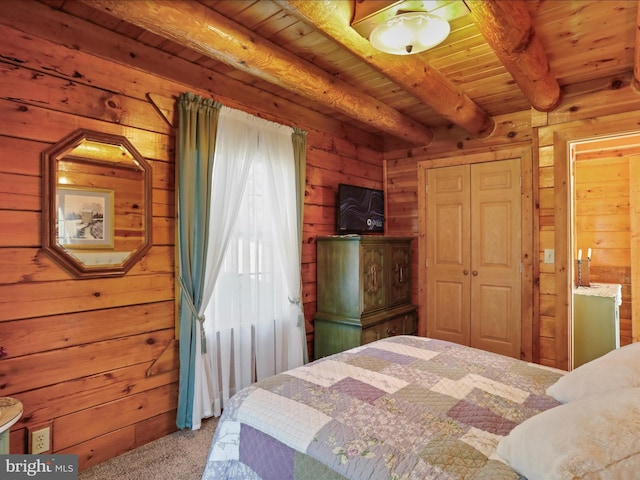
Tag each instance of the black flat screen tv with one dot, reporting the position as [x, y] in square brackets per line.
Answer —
[360, 210]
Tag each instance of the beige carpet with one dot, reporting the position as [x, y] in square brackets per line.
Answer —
[179, 456]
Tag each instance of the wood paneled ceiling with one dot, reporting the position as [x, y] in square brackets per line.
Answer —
[500, 57]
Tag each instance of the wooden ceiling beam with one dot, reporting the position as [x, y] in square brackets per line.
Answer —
[195, 26]
[507, 28]
[412, 73]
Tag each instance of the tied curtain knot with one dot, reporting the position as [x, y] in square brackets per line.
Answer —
[194, 311]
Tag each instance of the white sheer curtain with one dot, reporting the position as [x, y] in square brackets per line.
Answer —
[253, 306]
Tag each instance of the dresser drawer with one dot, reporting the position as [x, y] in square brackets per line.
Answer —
[388, 328]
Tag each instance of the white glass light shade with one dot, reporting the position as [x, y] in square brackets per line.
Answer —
[408, 33]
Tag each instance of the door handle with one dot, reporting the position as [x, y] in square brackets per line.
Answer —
[474, 273]
[465, 272]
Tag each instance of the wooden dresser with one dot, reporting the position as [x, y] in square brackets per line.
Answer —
[364, 291]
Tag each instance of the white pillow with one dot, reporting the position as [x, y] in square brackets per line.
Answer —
[594, 437]
[619, 368]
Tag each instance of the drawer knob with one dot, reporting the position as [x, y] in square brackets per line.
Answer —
[400, 273]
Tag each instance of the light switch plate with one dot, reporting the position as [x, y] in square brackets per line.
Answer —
[549, 255]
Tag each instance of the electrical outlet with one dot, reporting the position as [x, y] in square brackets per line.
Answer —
[40, 439]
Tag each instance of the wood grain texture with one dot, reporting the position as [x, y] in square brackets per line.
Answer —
[231, 43]
[68, 65]
[105, 341]
[602, 223]
[508, 28]
[412, 72]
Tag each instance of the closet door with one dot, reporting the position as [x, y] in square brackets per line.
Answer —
[473, 255]
[495, 257]
[448, 252]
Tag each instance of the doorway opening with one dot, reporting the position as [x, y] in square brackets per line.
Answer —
[603, 244]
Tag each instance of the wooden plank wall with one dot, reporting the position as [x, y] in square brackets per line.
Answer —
[78, 351]
[602, 223]
[554, 140]
[586, 109]
[330, 161]
[83, 354]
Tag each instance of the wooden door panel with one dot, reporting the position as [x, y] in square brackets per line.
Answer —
[494, 320]
[494, 248]
[473, 255]
[448, 253]
[495, 257]
[450, 315]
[634, 202]
[448, 233]
[448, 218]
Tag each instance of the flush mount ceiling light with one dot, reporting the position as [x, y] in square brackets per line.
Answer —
[408, 33]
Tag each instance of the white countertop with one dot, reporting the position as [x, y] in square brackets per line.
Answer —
[613, 290]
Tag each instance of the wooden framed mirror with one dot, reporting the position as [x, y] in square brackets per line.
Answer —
[96, 204]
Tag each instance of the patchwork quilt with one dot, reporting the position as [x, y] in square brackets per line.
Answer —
[403, 407]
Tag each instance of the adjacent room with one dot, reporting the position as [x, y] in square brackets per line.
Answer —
[370, 238]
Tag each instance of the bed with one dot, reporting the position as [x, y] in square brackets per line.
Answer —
[409, 407]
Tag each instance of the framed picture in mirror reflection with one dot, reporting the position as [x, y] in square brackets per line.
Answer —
[84, 217]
